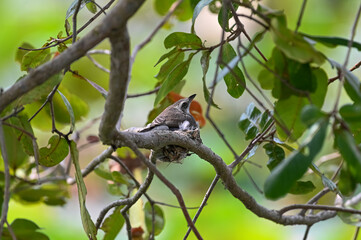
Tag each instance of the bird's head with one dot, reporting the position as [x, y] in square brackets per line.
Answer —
[184, 104]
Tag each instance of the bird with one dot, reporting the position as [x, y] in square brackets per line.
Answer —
[175, 117]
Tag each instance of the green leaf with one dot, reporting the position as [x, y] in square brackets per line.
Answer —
[72, 7]
[289, 110]
[266, 79]
[49, 193]
[39, 92]
[346, 183]
[70, 111]
[16, 154]
[91, 7]
[20, 53]
[294, 166]
[174, 77]
[288, 115]
[103, 171]
[88, 224]
[183, 40]
[311, 114]
[24, 229]
[224, 20]
[292, 44]
[119, 178]
[162, 6]
[159, 220]
[333, 41]
[185, 11]
[21, 121]
[275, 153]
[113, 224]
[351, 113]
[300, 76]
[234, 79]
[253, 122]
[350, 152]
[201, 4]
[56, 152]
[33, 59]
[167, 55]
[173, 61]
[206, 56]
[302, 187]
[62, 110]
[118, 189]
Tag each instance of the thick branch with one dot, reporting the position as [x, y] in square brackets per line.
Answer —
[118, 84]
[158, 139]
[115, 19]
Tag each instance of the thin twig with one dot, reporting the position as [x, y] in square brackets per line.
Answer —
[128, 202]
[203, 204]
[250, 79]
[252, 180]
[144, 94]
[303, 7]
[13, 114]
[48, 98]
[253, 19]
[314, 200]
[11, 231]
[356, 233]
[98, 51]
[243, 30]
[127, 224]
[209, 104]
[342, 71]
[98, 65]
[308, 227]
[318, 207]
[5, 205]
[172, 206]
[356, 66]
[138, 47]
[20, 129]
[74, 19]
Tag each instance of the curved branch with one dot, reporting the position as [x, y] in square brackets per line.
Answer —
[158, 138]
[128, 201]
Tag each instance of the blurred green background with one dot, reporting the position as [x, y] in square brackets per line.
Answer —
[224, 217]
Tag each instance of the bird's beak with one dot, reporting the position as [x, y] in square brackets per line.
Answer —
[190, 98]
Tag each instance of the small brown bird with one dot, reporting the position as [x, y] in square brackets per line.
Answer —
[176, 117]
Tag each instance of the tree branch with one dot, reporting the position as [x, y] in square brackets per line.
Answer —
[158, 139]
[117, 17]
[118, 84]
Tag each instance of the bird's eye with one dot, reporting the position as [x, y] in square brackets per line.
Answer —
[184, 106]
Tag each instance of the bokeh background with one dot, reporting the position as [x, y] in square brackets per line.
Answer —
[224, 217]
